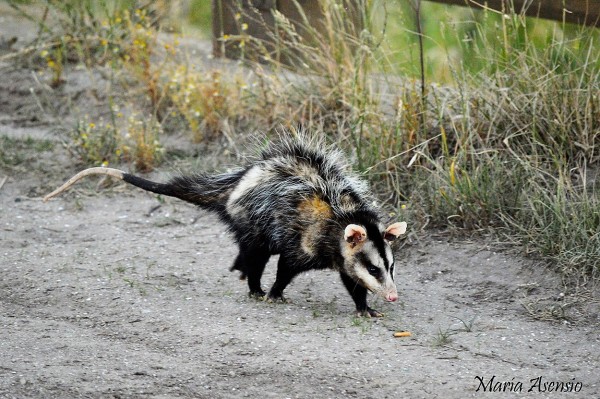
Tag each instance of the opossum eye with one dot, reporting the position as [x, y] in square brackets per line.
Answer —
[389, 237]
[373, 271]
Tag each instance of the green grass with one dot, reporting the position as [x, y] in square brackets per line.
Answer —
[453, 36]
[459, 37]
[18, 151]
[200, 15]
[443, 338]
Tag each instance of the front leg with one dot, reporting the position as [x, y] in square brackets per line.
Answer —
[359, 295]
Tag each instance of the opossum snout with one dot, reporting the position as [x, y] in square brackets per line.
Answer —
[391, 297]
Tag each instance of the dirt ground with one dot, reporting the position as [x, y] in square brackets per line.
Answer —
[115, 293]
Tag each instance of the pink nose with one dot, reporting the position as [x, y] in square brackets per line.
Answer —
[392, 297]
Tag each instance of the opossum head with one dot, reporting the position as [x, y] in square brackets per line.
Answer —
[368, 257]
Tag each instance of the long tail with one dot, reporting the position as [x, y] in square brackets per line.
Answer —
[147, 185]
[206, 191]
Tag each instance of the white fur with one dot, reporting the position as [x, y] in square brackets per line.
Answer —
[253, 177]
[371, 283]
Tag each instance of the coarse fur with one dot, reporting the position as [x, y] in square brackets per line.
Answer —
[300, 200]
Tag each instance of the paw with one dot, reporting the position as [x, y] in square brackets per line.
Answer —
[257, 294]
[368, 313]
[277, 299]
[242, 273]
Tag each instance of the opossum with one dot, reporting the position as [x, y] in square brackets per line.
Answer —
[297, 199]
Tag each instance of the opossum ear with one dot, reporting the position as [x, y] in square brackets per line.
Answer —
[394, 230]
[355, 234]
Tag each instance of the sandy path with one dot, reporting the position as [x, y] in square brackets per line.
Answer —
[99, 298]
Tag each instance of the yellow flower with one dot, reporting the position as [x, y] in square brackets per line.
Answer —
[51, 64]
[104, 42]
[44, 53]
[244, 26]
[403, 206]
[104, 164]
[139, 43]
[92, 125]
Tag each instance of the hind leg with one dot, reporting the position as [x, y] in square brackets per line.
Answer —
[251, 262]
[285, 274]
[239, 265]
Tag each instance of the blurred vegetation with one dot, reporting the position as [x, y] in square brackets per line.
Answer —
[503, 138]
[200, 16]
[454, 38]
[459, 38]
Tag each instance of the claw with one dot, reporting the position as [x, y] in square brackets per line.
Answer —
[369, 313]
[277, 299]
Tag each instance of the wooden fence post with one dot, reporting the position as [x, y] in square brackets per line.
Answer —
[259, 22]
[583, 12]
